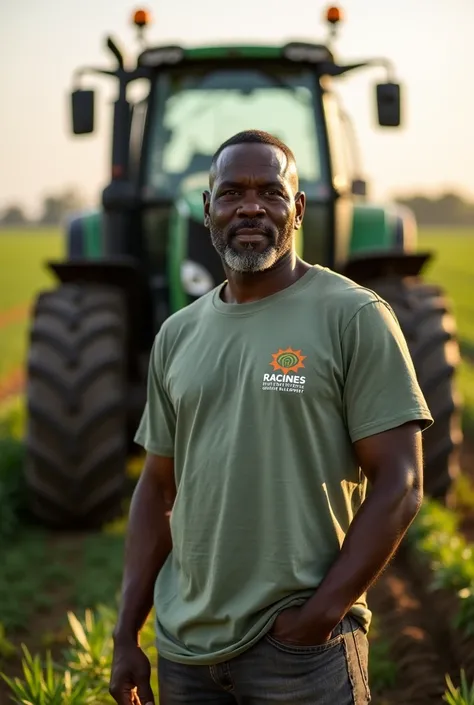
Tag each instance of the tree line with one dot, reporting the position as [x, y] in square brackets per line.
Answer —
[54, 208]
[449, 209]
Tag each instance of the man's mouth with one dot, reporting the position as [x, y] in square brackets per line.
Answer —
[250, 235]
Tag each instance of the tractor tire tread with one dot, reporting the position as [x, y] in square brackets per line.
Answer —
[424, 314]
[76, 448]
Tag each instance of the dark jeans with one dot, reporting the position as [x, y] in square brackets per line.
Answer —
[272, 673]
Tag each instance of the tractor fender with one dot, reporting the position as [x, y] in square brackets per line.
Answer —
[367, 265]
[118, 272]
[84, 235]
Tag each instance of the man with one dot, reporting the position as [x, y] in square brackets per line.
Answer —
[271, 400]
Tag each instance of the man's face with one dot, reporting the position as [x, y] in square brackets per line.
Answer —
[253, 210]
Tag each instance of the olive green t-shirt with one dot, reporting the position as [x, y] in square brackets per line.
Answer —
[259, 404]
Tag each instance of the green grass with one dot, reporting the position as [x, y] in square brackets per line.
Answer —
[81, 675]
[23, 255]
[453, 268]
[25, 591]
[13, 342]
[466, 386]
[43, 572]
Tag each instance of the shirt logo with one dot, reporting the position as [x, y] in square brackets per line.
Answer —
[284, 362]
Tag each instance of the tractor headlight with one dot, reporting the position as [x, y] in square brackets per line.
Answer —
[195, 279]
[303, 51]
[156, 57]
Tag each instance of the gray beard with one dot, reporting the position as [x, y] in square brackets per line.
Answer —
[249, 261]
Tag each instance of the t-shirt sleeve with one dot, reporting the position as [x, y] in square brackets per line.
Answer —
[156, 431]
[381, 390]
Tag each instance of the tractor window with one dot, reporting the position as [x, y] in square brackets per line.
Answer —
[344, 155]
[195, 112]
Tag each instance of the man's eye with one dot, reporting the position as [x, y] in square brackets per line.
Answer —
[230, 192]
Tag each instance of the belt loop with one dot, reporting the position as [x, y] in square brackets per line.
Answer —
[341, 626]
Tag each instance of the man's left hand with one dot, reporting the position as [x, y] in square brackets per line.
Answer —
[292, 626]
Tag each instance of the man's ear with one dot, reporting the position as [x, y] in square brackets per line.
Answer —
[300, 206]
[207, 202]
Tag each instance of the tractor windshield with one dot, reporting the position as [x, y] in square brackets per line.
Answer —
[195, 111]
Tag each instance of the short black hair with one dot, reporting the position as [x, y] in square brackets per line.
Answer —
[252, 137]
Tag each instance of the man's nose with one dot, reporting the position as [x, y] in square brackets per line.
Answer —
[250, 207]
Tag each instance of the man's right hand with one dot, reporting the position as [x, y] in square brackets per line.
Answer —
[130, 678]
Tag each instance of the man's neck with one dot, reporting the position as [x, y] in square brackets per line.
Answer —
[244, 288]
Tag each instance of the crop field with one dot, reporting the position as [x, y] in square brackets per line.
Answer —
[423, 605]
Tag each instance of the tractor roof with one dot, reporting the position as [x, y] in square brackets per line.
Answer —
[293, 51]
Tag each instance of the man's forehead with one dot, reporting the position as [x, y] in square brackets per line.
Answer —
[250, 157]
[254, 161]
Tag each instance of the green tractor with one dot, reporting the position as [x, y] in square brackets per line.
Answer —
[146, 253]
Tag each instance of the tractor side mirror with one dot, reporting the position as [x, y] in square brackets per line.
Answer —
[359, 187]
[82, 106]
[388, 104]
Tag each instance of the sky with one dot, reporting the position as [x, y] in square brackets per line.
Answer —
[429, 41]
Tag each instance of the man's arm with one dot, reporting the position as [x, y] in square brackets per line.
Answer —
[384, 412]
[148, 544]
[392, 462]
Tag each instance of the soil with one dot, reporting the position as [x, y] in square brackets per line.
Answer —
[416, 640]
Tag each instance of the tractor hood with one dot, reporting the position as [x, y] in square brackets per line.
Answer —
[382, 228]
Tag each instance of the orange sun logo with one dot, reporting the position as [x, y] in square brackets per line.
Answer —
[288, 360]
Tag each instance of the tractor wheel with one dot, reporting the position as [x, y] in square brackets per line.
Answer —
[76, 406]
[429, 327]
